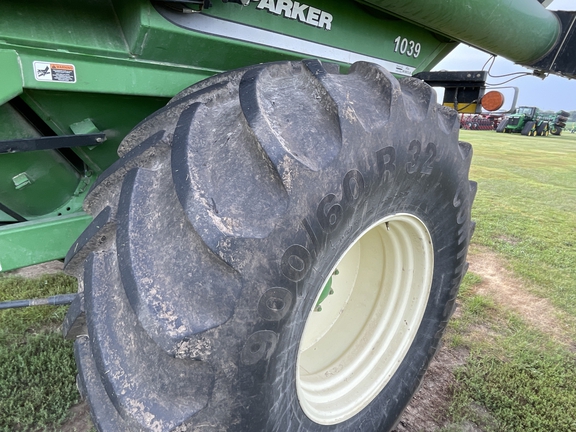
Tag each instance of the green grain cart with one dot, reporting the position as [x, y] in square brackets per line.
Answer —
[266, 209]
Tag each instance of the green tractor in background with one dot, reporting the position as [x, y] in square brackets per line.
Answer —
[267, 211]
[529, 121]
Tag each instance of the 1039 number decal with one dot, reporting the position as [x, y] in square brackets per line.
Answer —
[407, 47]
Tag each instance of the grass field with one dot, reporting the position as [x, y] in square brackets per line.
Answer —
[37, 369]
[526, 208]
[519, 377]
[516, 377]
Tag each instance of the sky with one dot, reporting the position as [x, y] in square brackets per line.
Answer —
[553, 93]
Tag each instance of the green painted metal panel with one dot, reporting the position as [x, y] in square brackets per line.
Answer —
[35, 242]
[143, 53]
[237, 35]
[112, 63]
[14, 126]
[519, 30]
[33, 183]
[36, 183]
[111, 75]
[11, 85]
[352, 28]
[115, 115]
[69, 25]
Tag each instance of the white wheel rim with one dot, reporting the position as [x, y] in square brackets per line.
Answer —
[351, 349]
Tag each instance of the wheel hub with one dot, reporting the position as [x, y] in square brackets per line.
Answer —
[364, 319]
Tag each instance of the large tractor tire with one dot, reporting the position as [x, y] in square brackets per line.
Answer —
[527, 129]
[543, 129]
[278, 249]
[502, 125]
[556, 131]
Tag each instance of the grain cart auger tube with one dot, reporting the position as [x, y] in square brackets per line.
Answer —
[274, 247]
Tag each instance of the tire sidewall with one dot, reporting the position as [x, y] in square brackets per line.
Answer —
[366, 191]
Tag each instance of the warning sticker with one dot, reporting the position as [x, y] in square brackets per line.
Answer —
[54, 72]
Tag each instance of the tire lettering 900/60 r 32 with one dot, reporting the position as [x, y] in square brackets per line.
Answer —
[297, 259]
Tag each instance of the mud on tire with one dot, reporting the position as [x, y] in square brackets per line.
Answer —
[225, 220]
